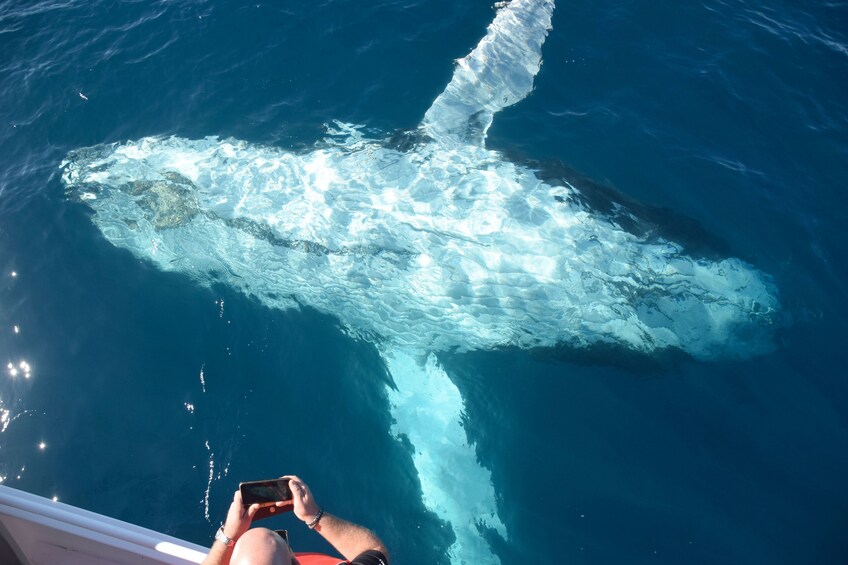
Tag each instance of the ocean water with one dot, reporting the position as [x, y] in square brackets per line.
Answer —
[134, 389]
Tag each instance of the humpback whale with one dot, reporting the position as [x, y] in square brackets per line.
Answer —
[444, 245]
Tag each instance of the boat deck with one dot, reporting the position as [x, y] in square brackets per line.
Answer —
[38, 531]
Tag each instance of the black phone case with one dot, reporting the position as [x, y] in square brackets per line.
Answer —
[268, 511]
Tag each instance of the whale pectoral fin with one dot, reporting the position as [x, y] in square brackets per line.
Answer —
[427, 409]
[498, 72]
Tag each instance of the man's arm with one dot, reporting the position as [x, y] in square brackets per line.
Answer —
[348, 538]
[219, 554]
[238, 522]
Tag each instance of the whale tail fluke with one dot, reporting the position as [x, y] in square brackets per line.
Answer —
[498, 73]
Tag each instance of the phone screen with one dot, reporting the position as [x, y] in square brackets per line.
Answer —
[265, 492]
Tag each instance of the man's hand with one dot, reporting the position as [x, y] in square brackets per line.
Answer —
[238, 517]
[348, 538]
[305, 506]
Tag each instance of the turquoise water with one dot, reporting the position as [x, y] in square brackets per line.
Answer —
[146, 390]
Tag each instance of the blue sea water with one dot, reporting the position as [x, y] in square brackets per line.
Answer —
[141, 395]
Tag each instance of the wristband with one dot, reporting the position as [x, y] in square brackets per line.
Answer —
[311, 525]
[223, 538]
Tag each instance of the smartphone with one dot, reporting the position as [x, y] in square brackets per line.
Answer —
[265, 493]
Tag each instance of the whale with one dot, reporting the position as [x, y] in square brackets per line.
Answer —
[439, 244]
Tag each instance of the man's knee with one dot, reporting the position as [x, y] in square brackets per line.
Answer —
[260, 546]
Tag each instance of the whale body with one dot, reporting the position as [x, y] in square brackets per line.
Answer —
[444, 245]
[434, 248]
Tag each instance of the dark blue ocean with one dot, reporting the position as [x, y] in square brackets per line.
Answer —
[141, 395]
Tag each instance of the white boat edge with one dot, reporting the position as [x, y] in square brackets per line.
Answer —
[35, 530]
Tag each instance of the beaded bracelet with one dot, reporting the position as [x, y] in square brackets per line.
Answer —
[311, 525]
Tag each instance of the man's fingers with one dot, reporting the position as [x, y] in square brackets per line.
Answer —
[300, 492]
[236, 503]
[294, 479]
[252, 510]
